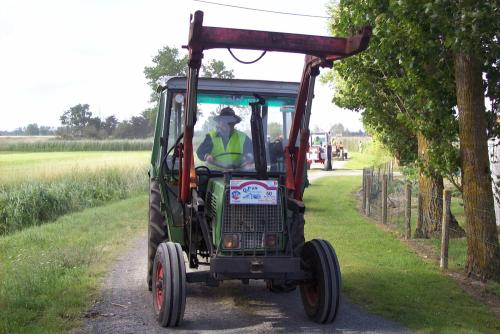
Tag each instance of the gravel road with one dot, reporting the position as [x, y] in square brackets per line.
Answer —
[126, 306]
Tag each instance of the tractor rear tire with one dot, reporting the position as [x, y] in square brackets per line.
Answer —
[169, 284]
[321, 295]
[157, 231]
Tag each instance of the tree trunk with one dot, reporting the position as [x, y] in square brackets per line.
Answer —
[483, 250]
[430, 197]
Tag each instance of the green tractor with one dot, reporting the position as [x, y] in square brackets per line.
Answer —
[231, 202]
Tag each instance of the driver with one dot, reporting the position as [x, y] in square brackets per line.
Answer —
[226, 147]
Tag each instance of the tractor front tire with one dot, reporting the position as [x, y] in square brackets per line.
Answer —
[157, 231]
[169, 284]
[321, 295]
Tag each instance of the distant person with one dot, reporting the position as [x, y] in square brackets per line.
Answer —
[360, 147]
[226, 147]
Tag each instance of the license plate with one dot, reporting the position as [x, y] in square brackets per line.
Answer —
[253, 192]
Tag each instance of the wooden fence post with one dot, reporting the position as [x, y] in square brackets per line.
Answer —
[408, 211]
[444, 232]
[369, 178]
[363, 205]
[384, 199]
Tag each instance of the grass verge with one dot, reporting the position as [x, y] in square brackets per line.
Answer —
[382, 274]
[26, 204]
[49, 274]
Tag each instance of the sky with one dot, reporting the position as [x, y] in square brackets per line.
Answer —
[56, 54]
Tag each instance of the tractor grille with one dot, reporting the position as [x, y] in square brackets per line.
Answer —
[252, 221]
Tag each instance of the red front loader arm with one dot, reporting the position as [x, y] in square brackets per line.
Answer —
[320, 51]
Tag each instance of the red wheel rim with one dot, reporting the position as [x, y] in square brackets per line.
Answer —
[159, 285]
[312, 293]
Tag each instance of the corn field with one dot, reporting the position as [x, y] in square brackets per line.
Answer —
[56, 145]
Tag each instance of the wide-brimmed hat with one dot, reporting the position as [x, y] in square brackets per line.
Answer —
[228, 115]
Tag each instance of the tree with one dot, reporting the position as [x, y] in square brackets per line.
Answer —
[150, 115]
[167, 62]
[136, 127]
[76, 119]
[32, 130]
[93, 129]
[337, 129]
[473, 28]
[110, 124]
[46, 130]
[217, 69]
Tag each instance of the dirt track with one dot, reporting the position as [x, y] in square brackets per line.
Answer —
[126, 306]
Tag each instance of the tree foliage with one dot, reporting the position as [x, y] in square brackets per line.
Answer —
[399, 89]
[216, 69]
[407, 85]
[76, 119]
[32, 130]
[77, 122]
[167, 62]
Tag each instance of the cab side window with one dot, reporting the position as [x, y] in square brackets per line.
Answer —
[175, 124]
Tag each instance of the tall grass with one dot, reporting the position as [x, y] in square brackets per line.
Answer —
[56, 145]
[19, 167]
[31, 203]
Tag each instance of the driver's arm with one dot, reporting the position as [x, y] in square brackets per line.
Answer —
[205, 148]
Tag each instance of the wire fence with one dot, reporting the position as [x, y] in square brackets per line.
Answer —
[388, 197]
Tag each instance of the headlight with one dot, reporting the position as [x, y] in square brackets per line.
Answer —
[271, 240]
[231, 240]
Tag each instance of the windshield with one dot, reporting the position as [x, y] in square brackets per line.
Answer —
[318, 139]
[222, 134]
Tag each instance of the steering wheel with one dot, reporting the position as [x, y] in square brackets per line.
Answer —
[205, 168]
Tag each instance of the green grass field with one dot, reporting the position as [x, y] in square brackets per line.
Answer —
[25, 167]
[381, 274]
[49, 274]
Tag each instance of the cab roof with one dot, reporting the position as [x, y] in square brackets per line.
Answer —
[232, 85]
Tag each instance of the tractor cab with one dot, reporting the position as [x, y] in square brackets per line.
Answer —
[276, 102]
[227, 175]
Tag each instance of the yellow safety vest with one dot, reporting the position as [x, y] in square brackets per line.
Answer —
[232, 154]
